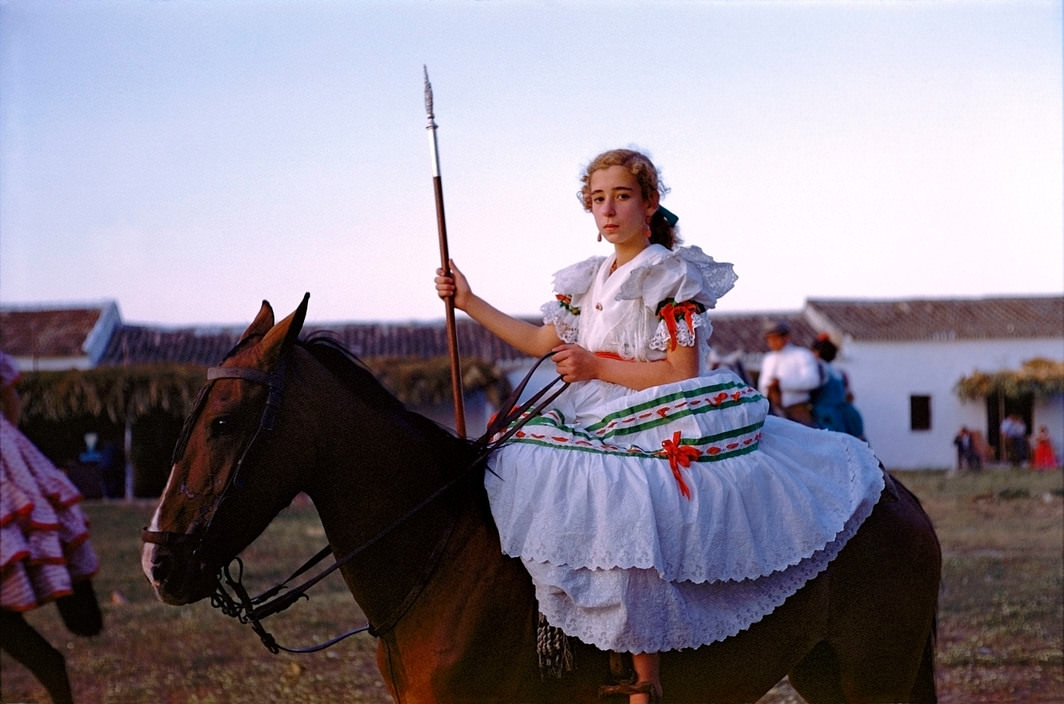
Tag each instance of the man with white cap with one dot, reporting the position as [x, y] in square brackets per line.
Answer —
[788, 374]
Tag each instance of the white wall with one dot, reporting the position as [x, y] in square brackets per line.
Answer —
[51, 364]
[884, 375]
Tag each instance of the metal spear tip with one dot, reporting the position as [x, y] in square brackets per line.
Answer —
[428, 92]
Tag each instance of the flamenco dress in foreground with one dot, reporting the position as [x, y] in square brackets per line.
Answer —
[44, 535]
[678, 515]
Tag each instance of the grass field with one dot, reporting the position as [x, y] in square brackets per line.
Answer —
[1001, 616]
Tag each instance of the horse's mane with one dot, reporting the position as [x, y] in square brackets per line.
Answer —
[357, 377]
[459, 456]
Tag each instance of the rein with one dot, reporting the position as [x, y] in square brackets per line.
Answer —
[253, 610]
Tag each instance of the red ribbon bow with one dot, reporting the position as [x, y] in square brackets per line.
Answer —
[680, 455]
[566, 302]
[671, 311]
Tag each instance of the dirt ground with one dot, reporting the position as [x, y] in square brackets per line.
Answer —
[1001, 614]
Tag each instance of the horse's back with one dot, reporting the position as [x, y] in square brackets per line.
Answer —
[863, 630]
[874, 604]
[883, 594]
[892, 565]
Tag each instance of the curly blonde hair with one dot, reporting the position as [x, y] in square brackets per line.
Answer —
[651, 187]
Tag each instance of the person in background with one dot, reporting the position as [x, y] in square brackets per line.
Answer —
[1014, 439]
[1044, 456]
[832, 401]
[46, 554]
[967, 453]
[788, 375]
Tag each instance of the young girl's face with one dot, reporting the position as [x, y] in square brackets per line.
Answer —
[617, 203]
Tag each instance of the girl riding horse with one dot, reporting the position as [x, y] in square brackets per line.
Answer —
[655, 506]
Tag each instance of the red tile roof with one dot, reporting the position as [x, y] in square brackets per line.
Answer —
[134, 344]
[944, 319]
[47, 332]
[138, 344]
[422, 340]
[744, 332]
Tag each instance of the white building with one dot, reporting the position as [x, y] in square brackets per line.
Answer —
[904, 360]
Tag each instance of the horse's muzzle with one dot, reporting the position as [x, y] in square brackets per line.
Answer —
[177, 575]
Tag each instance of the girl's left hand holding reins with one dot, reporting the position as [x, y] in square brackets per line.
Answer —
[575, 363]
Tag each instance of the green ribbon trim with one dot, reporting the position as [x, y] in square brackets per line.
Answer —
[638, 452]
[651, 422]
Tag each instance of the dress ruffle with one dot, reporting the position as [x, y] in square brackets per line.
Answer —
[564, 320]
[44, 535]
[576, 278]
[685, 336]
[638, 611]
[683, 274]
[625, 561]
[571, 282]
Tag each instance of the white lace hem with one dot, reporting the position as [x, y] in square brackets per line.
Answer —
[636, 611]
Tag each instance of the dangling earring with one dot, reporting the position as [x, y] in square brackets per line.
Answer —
[600, 237]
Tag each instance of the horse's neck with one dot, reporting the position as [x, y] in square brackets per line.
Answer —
[473, 618]
[376, 496]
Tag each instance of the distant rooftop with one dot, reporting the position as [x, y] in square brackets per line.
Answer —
[943, 319]
[137, 344]
[58, 331]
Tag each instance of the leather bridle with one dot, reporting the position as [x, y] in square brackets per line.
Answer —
[274, 382]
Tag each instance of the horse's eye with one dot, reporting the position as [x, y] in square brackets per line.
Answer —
[222, 425]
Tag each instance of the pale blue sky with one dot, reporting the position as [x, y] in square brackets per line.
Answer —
[189, 158]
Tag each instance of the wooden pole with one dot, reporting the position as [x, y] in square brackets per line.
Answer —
[445, 264]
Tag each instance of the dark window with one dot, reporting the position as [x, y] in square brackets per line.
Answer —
[920, 412]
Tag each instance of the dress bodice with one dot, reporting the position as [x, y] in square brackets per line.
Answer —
[657, 299]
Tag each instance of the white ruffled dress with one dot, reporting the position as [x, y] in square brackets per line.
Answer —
[678, 515]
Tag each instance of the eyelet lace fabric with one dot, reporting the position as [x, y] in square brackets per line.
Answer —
[683, 274]
[565, 323]
[685, 336]
[600, 523]
[635, 610]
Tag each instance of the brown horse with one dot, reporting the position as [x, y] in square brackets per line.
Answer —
[455, 619]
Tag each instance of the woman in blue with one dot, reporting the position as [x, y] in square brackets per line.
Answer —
[655, 505]
[833, 408]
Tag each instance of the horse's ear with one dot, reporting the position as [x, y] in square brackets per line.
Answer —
[284, 334]
[261, 325]
[296, 320]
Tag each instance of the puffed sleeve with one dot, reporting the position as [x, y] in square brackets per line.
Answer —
[571, 284]
[679, 288]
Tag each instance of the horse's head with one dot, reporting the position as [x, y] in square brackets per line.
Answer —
[227, 480]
